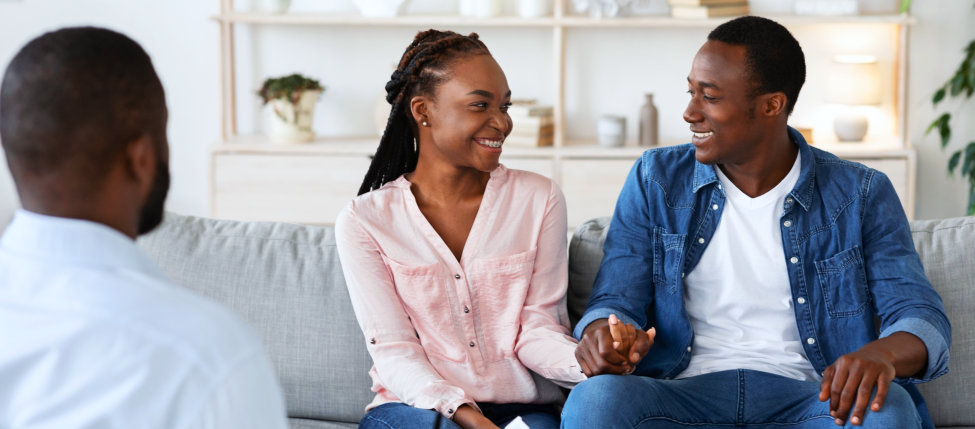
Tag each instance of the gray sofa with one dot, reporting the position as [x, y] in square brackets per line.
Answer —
[286, 281]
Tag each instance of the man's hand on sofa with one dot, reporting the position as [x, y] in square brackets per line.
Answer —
[849, 382]
[600, 353]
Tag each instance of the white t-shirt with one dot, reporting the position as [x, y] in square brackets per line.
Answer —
[93, 336]
[738, 296]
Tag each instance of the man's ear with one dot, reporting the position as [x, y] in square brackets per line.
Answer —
[420, 109]
[140, 160]
[774, 104]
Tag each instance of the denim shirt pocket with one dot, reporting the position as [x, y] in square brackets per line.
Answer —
[423, 292]
[844, 283]
[668, 252]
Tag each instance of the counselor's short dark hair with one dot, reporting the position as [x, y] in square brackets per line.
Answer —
[71, 100]
[774, 58]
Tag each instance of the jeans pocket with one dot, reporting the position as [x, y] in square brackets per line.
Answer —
[844, 283]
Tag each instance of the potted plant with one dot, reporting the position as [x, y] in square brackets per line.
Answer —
[292, 99]
[961, 85]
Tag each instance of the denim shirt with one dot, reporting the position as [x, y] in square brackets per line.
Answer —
[848, 249]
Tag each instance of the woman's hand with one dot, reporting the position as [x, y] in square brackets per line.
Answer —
[469, 418]
[611, 347]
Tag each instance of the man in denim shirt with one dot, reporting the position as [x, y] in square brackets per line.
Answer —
[760, 266]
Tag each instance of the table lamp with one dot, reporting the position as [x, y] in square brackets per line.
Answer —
[854, 81]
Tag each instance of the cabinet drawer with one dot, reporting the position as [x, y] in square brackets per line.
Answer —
[592, 187]
[285, 188]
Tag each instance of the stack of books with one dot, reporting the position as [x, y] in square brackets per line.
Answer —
[700, 9]
[532, 125]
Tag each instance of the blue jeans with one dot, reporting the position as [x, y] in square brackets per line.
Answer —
[396, 415]
[728, 399]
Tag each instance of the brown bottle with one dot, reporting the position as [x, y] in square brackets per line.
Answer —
[648, 122]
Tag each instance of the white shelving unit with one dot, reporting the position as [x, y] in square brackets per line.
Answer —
[252, 179]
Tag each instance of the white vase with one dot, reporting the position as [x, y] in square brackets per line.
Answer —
[380, 8]
[534, 8]
[291, 123]
[274, 6]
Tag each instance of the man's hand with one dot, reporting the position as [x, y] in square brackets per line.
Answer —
[849, 382]
[469, 418]
[611, 347]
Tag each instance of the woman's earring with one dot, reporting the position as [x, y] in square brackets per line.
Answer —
[425, 124]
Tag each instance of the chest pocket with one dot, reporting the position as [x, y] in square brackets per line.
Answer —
[423, 291]
[843, 283]
[499, 289]
[668, 254]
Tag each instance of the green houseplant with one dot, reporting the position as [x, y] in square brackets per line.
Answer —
[960, 86]
[292, 99]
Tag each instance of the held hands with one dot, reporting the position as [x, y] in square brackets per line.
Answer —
[850, 380]
[611, 347]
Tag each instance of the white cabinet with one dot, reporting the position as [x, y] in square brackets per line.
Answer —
[252, 179]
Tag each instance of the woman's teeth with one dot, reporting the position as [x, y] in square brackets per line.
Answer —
[491, 143]
[703, 135]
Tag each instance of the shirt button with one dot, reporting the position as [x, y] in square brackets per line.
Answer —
[714, 207]
[467, 310]
[788, 200]
[681, 275]
[810, 341]
[372, 341]
[719, 186]
[700, 240]
[471, 344]
[801, 300]
[450, 411]
[794, 260]
[688, 348]
[457, 276]
[787, 223]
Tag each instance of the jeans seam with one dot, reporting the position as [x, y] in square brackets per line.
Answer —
[740, 415]
[380, 421]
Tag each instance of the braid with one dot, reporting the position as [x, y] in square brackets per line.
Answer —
[422, 68]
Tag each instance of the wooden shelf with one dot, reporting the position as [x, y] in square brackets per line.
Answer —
[650, 21]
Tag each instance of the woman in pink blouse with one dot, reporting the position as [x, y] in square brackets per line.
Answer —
[456, 265]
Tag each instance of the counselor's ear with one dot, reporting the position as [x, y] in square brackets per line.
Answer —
[773, 104]
[140, 161]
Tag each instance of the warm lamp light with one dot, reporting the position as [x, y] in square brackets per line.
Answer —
[854, 81]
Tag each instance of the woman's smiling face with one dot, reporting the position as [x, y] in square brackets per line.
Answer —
[468, 115]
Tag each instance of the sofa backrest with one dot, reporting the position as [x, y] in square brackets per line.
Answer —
[286, 282]
[947, 249]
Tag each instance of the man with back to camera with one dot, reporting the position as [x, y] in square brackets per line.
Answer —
[92, 335]
[760, 263]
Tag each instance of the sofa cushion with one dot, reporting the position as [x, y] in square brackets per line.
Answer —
[947, 250]
[286, 282]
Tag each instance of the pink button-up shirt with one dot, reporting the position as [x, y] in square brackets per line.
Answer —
[444, 332]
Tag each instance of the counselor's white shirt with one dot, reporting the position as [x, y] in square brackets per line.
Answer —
[93, 336]
[738, 297]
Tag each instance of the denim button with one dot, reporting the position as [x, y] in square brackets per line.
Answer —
[457, 276]
[788, 200]
[714, 207]
[688, 348]
[810, 341]
[681, 275]
[787, 223]
[700, 240]
[801, 300]
[794, 260]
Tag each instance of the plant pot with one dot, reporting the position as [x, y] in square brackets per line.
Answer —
[291, 123]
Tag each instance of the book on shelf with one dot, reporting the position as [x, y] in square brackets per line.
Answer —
[701, 12]
[528, 141]
[703, 2]
[529, 110]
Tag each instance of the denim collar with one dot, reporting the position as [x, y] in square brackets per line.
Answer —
[803, 192]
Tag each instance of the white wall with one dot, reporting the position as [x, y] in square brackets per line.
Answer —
[183, 43]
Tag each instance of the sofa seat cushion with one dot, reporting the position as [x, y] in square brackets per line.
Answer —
[286, 282]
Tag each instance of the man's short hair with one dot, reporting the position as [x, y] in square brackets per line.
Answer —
[774, 58]
[72, 99]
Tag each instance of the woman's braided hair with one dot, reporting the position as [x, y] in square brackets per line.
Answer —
[423, 67]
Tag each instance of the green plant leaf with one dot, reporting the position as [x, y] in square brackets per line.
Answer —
[937, 122]
[971, 197]
[968, 164]
[957, 84]
[905, 6]
[938, 96]
[953, 162]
